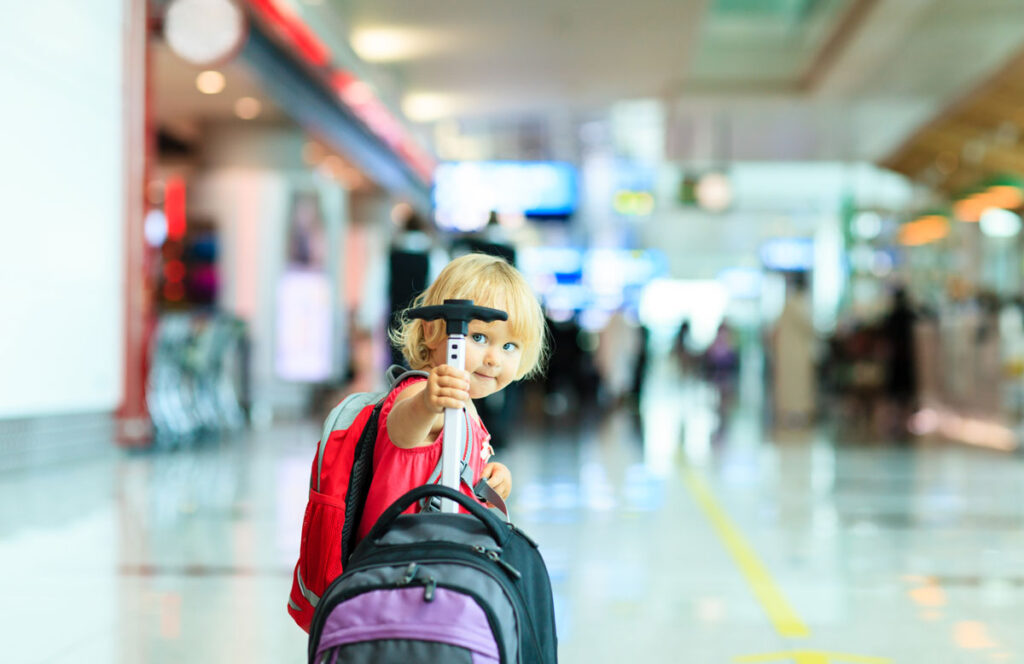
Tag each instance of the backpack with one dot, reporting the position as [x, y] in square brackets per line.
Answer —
[338, 486]
[438, 587]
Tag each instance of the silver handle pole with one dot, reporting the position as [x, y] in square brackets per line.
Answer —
[454, 427]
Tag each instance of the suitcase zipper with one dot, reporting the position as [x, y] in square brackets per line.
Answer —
[410, 575]
[495, 557]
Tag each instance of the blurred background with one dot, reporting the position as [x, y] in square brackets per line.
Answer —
[778, 243]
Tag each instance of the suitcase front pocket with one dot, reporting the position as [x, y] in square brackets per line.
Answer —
[410, 624]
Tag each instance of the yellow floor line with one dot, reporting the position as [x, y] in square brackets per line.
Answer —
[813, 657]
[780, 612]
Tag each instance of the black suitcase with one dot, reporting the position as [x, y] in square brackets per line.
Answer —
[412, 573]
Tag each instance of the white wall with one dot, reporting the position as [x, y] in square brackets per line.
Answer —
[61, 258]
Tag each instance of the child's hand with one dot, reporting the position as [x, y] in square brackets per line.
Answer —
[447, 387]
[499, 477]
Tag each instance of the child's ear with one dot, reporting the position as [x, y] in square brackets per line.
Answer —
[432, 336]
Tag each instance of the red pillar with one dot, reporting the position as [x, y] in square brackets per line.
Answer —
[134, 428]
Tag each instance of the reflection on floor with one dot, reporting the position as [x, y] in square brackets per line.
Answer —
[689, 533]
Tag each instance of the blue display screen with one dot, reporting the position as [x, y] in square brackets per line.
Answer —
[788, 254]
[465, 192]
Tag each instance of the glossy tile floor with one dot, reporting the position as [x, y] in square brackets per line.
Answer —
[676, 536]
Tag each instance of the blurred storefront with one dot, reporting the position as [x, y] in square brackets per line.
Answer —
[273, 163]
[959, 253]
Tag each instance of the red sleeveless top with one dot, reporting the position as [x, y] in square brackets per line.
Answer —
[397, 470]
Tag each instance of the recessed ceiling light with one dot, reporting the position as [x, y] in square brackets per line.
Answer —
[427, 106]
[996, 222]
[248, 108]
[204, 32]
[714, 193]
[210, 82]
[389, 44]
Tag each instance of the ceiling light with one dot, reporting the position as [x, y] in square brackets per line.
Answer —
[210, 82]
[427, 106]
[1005, 196]
[387, 44]
[969, 209]
[924, 230]
[248, 108]
[204, 32]
[714, 193]
[996, 222]
[867, 225]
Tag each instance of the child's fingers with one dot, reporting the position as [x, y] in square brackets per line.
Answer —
[499, 478]
[450, 397]
[449, 370]
[501, 485]
[445, 375]
[454, 384]
[459, 396]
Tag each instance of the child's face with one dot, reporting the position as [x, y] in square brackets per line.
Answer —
[492, 357]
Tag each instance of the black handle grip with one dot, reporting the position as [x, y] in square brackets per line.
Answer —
[457, 314]
[428, 491]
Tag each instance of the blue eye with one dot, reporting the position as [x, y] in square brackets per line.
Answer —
[511, 347]
[478, 337]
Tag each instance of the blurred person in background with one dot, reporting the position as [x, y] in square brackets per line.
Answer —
[685, 358]
[409, 265]
[643, 360]
[857, 366]
[618, 350]
[571, 382]
[720, 364]
[897, 330]
[721, 359]
[492, 240]
[793, 340]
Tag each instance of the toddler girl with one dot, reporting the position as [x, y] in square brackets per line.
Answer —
[408, 444]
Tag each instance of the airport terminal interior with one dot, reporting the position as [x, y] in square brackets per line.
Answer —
[776, 243]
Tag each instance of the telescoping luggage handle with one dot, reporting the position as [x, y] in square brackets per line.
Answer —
[457, 314]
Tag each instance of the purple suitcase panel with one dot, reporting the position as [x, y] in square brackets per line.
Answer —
[402, 613]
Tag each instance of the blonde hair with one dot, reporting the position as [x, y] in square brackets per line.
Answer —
[490, 282]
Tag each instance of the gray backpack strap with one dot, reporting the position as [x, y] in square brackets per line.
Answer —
[484, 492]
[341, 417]
[345, 413]
[396, 373]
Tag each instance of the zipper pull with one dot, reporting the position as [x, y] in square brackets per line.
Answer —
[512, 571]
[410, 574]
[428, 591]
